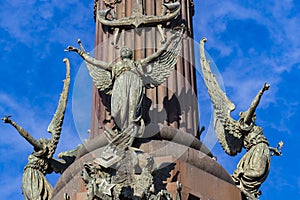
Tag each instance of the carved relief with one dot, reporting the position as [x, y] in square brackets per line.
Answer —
[131, 178]
[108, 17]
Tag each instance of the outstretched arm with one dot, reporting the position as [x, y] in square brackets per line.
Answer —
[254, 104]
[23, 133]
[160, 51]
[88, 58]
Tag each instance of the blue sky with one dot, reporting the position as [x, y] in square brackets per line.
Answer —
[251, 42]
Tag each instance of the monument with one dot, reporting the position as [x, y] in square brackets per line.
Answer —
[144, 137]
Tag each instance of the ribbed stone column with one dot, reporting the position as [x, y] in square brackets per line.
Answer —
[174, 102]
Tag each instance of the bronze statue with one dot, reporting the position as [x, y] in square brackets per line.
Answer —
[254, 166]
[40, 162]
[125, 81]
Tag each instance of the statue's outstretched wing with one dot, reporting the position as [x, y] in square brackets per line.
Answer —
[164, 64]
[227, 129]
[101, 78]
[56, 124]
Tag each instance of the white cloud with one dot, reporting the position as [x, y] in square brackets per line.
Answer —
[41, 23]
[245, 72]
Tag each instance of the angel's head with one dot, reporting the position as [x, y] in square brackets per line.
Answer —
[126, 52]
[44, 141]
[243, 115]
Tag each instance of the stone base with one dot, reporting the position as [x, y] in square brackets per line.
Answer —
[200, 175]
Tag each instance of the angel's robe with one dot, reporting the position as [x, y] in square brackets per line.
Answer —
[127, 94]
[254, 166]
[35, 184]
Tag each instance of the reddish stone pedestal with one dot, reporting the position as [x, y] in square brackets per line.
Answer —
[200, 175]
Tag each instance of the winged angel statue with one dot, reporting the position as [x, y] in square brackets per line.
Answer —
[41, 161]
[253, 168]
[125, 81]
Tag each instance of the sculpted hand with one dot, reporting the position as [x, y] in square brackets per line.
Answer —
[275, 151]
[80, 52]
[70, 48]
[266, 87]
[6, 119]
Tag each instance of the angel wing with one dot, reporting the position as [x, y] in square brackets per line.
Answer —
[56, 124]
[101, 78]
[164, 64]
[227, 129]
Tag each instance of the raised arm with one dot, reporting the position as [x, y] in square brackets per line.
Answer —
[156, 54]
[89, 59]
[23, 133]
[176, 36]
[250, 112]
[160, 51]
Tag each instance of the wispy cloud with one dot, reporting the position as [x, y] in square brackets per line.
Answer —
[34, 23]
[253, 43]
[277, 31]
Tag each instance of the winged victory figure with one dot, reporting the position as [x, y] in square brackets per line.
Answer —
[41, 161]
[125, 81]
[253, 168]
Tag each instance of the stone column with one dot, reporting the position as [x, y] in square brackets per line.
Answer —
[173, 103]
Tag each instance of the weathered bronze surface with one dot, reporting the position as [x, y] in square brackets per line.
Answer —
[125, 81]
[164, 105]
[41, 161]
[233, 135]
[131, 178]
[107, 17]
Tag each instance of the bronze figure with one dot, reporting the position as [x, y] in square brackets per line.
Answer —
[41, 162]
[125, 81]
[233, 135]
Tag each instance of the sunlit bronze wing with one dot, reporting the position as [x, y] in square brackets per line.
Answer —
[227, 129]
[164, 64]
[101, 78]
[57, 121]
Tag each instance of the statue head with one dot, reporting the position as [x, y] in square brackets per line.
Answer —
[42, 152]
[243, 115]
[44, 141]
[126, 52]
